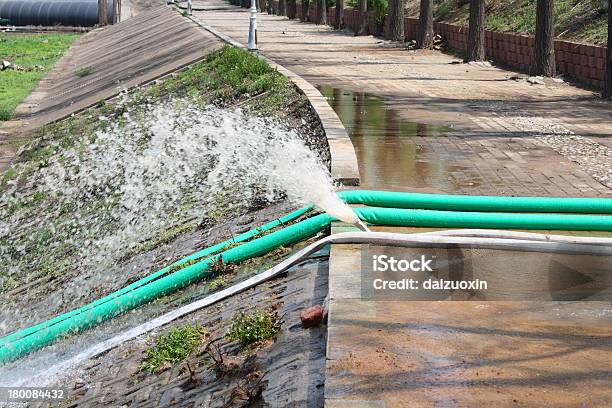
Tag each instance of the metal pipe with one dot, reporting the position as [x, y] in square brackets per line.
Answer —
[53, 12]
[252, 43]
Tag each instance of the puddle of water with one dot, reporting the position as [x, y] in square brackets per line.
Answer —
[390, 150]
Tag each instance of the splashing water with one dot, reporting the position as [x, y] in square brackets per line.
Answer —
[91, 205]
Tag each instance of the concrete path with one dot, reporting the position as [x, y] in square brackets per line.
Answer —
[507, 137]
[501, 123]
[149, 45]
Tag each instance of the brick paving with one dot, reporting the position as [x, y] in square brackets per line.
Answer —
[489, 152]
[508, 138]
[292, 369]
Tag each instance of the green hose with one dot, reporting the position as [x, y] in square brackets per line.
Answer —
[28, 340]
[456, 219]
[162, 282]
[446, 202]
[149, 278]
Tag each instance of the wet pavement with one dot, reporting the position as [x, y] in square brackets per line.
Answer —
[389, 148]
[441, 353]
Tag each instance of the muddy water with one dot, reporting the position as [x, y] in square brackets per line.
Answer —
[387, 146]
[462, 354]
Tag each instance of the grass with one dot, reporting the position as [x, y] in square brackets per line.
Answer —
[217, 283]
[83, 72]
[173, 347]
[247, 329]
[36, 53]
[377, 7]
[226, 77]
[579, 20]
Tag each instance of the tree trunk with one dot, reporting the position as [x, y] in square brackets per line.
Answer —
[321, 12]
[102, 13]
[305, 7]
[476, 35]
[291, 9]
[425, 31]
[396, 20]
[544, 41]
[607, 91]
[363, 18]
[339, 23]
[282, 7]
[270, 6]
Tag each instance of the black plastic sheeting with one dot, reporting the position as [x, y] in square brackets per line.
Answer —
[76, 13]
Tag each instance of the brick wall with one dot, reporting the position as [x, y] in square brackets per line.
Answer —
[583, 62]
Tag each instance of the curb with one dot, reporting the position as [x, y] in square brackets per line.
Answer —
[344, 168]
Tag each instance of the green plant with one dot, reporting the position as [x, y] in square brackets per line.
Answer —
[30, 51]
[173, 347]
[83, 72]
[182, 265]
[220, 267]
[247, 329]
[377, 7]
[6, 113]
[444, 9]
[217, 283]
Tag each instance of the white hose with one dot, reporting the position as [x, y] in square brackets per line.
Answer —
[437, 239]
[523, 236]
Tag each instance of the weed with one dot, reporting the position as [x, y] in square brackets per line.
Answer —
[182, 265]
[6, 113]
[8, 175]
[220, 267]
[173, 347]
[215, 353]
[248, 329]
[217, 283]
[83, 72]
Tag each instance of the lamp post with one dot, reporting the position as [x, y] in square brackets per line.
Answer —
[252, 44]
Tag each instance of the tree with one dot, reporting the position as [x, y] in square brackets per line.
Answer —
[396, 20]
[321, 12]
[291, 9]
[363, 17]
[607, 92]
[476, 35]
[425, 31]
[102, 13]
[282, 7]
[544, 63]
[339, 23]
[305, 7]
